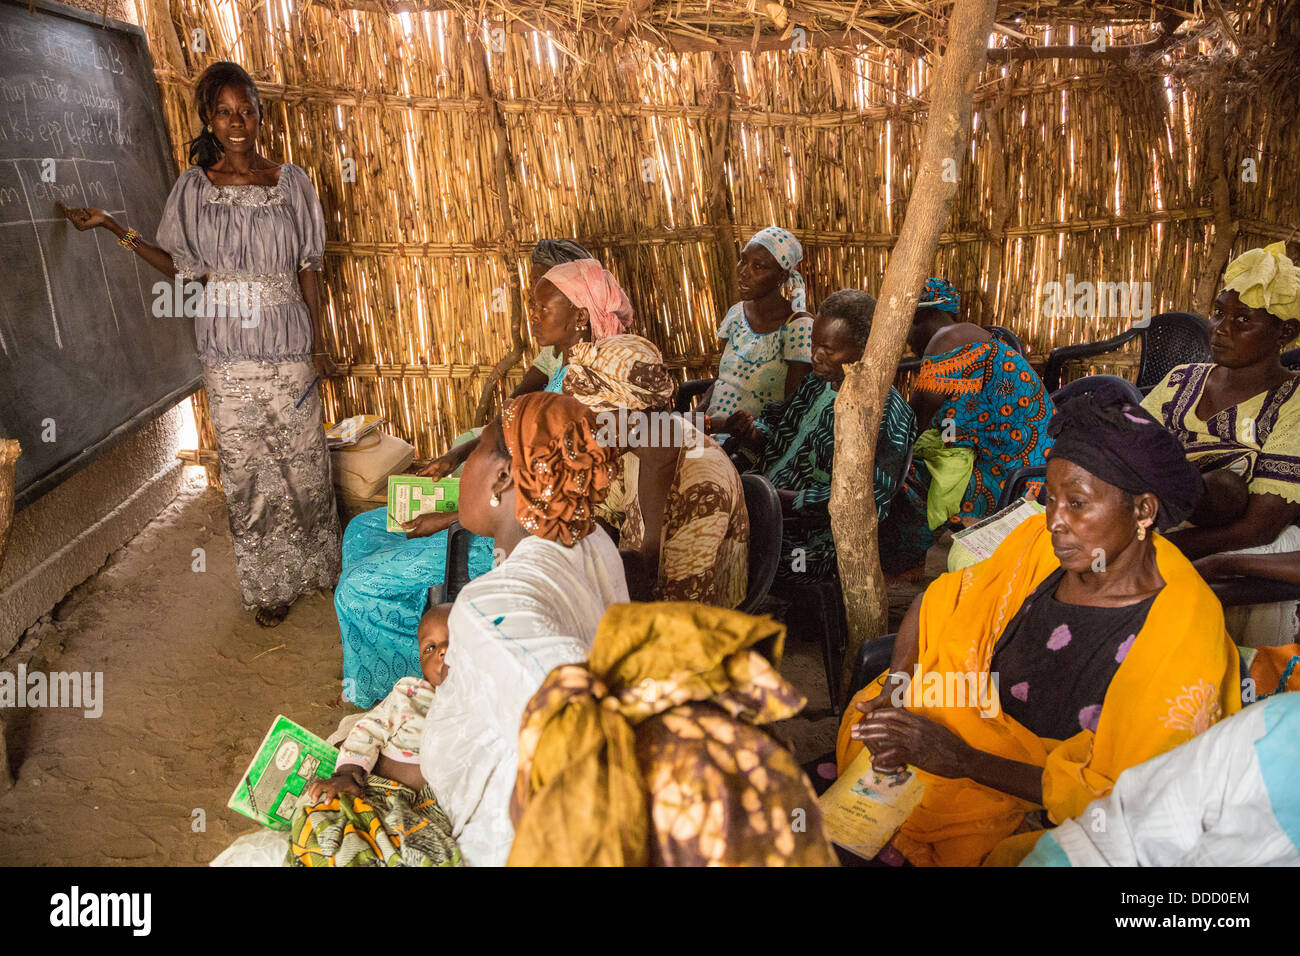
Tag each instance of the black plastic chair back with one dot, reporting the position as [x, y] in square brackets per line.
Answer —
[1018, 481]
[764, 507]
[873, 658]
[1089, 384]
[688, 391]
[1170, 340]
[1006, 336]
[457, 573]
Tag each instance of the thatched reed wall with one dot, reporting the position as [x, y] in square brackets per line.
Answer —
[661, 135]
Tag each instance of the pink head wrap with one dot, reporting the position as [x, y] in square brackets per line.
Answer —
[587, 284]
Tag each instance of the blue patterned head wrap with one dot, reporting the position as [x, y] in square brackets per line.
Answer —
[939, 294]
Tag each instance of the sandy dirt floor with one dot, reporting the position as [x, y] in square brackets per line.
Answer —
[191, 685]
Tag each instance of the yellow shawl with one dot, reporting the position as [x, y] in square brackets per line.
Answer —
[1180, 677]
[580, 795]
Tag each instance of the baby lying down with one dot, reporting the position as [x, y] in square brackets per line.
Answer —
[386, 741]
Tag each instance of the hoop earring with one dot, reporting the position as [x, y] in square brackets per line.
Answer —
[494, 501]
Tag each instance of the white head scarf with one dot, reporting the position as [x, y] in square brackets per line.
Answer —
[788, 254]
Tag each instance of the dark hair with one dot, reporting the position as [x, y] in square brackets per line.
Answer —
[205, 149]
[499, 446]
[551, 252]
[853, 307]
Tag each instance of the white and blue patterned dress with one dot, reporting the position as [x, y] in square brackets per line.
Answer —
[752, 370]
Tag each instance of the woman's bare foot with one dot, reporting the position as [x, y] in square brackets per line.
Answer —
[271, 616]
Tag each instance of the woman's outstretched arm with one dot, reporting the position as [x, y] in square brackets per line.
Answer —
[84, 218]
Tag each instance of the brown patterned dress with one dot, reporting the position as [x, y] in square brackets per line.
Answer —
[704, 554]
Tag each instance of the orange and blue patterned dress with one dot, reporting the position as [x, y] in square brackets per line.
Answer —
[995, 404]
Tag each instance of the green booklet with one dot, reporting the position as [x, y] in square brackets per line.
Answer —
[289, 758]
[410, 496]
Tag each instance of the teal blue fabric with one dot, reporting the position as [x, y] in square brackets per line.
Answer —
[1047, 852]
[1278, 752]
[381, 595]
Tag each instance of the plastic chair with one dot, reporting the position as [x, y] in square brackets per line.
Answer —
[688, 391]
[873, 658]
[1090, 383]
[764, 507]
[821, 605]
[1018, 481]
[1168, 340]
[456, 571]
[1006, 337]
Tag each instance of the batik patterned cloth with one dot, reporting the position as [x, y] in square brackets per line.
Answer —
[798, 456]
[275, 469]
[381, 595]
[997, 407]
[705, 552]
[653, 752]
[391, 825]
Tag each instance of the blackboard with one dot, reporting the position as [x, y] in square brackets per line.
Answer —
[83, 360]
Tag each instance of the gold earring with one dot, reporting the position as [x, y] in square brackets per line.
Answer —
[209, 127]
[1142, 532]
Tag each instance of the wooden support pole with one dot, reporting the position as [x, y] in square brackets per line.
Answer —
[510, 249]
[861, 401]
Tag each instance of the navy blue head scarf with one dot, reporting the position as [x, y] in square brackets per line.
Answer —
[1108, 436]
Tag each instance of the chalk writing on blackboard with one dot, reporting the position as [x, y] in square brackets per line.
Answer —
[29, 213]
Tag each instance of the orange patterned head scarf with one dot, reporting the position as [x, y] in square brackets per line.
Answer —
[560, 470]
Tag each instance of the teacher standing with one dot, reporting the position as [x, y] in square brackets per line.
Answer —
[253, 232]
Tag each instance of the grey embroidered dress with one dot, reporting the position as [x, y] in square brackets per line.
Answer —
[254, 335]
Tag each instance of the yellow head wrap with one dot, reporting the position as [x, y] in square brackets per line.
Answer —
[1266, 279]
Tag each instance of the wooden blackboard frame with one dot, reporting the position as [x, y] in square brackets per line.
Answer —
[38, 487]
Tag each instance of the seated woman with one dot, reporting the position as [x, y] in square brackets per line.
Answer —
[654, 752]
[1226, 798]
[1102, 644]
[795, 439]
[532, 486]
[1239, 421]
[386, 577]
[547, 254]
[767, 338]
[575, 300]
[678, 506]
[975, 394]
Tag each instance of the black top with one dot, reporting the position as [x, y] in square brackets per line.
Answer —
[1055, 661]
